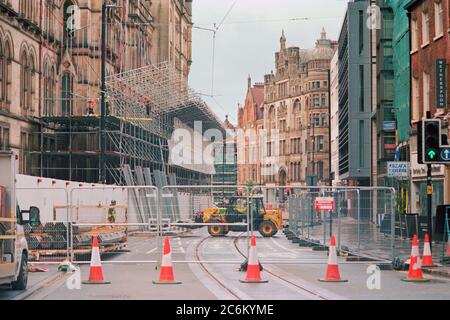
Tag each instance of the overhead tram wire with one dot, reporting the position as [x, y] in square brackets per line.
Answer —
[270, 20]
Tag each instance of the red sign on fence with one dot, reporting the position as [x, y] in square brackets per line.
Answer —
[324, 203]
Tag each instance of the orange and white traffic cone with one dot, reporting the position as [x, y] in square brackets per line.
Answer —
[96, 270]
[332, 274]
[415, 264]
[253, 271]
[166, 273]
[427, 259]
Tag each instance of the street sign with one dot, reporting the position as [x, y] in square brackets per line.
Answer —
[324, 203]
[398, 169]
[445, 154]
[441, 84]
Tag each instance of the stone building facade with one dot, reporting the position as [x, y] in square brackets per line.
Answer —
[50, 63]
[296, 104]
[173, 34]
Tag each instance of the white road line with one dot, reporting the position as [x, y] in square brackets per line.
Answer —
[151, 251]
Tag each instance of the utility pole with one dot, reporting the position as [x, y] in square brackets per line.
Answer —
[330, 182]
[430, 197]
[102, 178]
[429, 203]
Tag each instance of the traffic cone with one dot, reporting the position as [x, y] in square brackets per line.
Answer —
[415, 264]
[427, 259]
[166, 274]
[96, 270]
[332, 274]
[253, 269]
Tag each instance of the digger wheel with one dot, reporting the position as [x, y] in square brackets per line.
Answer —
[216, 231]
[267, 229]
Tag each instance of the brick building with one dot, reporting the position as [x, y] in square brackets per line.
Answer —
[250, 124]
[430, 41]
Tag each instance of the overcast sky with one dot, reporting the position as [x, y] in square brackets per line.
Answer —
[248, 39]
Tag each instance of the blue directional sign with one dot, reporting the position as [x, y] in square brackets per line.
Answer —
[445, 154]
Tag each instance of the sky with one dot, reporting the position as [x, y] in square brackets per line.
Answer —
[247, 41]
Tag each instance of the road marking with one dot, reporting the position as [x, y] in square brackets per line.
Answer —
[151, 251]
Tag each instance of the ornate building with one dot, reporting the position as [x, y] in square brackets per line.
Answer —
[50, 75]
[296, 104]
[173, 33]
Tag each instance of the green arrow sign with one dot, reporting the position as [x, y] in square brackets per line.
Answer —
[432, 154]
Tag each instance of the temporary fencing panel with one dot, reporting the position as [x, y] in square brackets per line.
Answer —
[353, 220]
[47, 238]
[113, 214]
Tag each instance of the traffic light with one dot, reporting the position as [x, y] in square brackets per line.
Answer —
[431, 136]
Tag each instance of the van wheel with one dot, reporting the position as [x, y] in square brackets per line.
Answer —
[22, 279]
[267, 229]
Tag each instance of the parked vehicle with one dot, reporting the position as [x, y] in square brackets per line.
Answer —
[13, 244]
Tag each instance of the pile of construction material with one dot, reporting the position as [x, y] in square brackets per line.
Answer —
[54, 235]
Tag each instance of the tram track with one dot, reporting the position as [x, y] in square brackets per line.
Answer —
[274, 274]
[229, 290]
[209, 273]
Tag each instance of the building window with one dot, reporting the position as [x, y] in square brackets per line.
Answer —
[316, 101]
[361, 143]
[414, 35]
[425, 28]
[323, 120]
[66, 94]
[415, 99]
[438, 18]
[319, 170]
[319, 143]
[31, 82]
[361, 90]
[24, 81]
[4, 138]
[67, 32]
[361, 31]
[426, 93]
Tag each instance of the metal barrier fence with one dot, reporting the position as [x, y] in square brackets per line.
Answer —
[123, 218]
[112, 215]
[47, 238]
[361, 218]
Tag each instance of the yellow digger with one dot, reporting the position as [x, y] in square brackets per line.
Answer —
[267, 222]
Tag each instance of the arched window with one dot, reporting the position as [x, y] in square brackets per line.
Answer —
[52, 89]
[7, 72]
[31, 82]
[46, 81]
[2, 73]
[66, 94]
[297, 106]
[23, 80]
[67, 32]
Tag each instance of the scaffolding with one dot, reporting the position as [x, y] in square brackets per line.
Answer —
[142, 103]
[140, 111]
[149, 96]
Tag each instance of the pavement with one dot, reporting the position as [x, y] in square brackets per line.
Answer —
[292, 273]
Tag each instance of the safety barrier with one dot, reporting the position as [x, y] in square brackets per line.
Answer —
[352, 219]
[124, 217]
